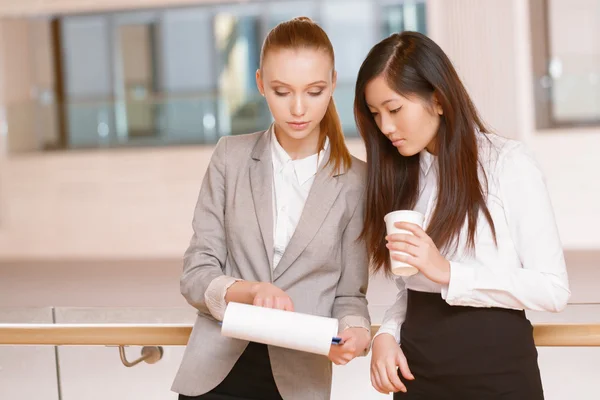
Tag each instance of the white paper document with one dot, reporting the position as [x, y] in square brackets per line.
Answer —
[292, 330]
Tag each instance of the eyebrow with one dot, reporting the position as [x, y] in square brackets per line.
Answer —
[310, 84]
[384, 103]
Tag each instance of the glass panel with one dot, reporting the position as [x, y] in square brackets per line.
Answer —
[282, 11]
[187, 119]
[187, 75]
[187, 106]
[96, 372]
[351, 26]
[238, 42]
[91, 124]
[406, 16]
[136, 43]
[88, 80]
[27, 372]
[574, 60]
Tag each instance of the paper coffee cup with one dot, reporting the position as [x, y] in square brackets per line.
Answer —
[414, 217]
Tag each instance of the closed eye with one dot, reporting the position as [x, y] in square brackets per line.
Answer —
[394, 111]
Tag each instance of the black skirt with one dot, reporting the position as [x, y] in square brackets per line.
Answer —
[464, 353]
[250, 379]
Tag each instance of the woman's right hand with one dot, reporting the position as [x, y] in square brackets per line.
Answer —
[387, 357]
[270, 296]
[262, 294]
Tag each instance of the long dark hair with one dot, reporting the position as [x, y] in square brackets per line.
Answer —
[414, 65]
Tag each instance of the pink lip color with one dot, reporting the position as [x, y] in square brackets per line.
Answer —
[298, 126]
[399, 142]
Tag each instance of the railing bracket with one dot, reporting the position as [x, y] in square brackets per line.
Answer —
[150, 355]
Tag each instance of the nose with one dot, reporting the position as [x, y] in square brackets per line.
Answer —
[298, 108]
[386, 124]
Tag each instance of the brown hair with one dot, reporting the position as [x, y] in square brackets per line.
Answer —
[303, 33]
[414, 65]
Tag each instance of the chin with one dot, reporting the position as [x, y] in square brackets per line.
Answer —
[297, 135]
[407, 152]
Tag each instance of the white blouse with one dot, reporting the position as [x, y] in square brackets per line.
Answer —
[526, 270]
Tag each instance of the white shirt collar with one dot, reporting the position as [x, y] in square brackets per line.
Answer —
[304, 168]
[426, 159]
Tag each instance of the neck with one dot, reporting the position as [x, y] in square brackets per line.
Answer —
[432, 147]
[298, 149]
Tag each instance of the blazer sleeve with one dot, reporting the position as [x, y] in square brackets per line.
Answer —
[350, 299]
[204, 259]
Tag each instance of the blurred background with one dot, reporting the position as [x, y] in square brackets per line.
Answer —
[109, 111]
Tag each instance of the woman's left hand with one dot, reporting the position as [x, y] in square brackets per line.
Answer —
[421, 252]
[355, 342]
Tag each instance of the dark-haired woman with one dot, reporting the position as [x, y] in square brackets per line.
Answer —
[490, 248]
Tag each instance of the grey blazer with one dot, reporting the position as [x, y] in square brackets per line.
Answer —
[324, 268]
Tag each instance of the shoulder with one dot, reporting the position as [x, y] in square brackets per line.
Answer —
[237, 147]
[507, 159]
[355, 183]
[357, 173]
[238, 142]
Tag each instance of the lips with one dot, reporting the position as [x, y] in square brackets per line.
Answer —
[398, 142]
[298, 125]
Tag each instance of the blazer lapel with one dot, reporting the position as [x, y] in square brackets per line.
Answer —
[261, 183]
[323, 193]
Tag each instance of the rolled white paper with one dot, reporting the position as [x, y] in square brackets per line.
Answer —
[292, 330]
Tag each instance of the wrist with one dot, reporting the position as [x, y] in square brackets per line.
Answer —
[446, 280]
[241, 292]
[255, 288]
[382, 337]
[229, 291]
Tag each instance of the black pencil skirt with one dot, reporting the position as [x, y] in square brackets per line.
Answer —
[250, 379]
[468, 353]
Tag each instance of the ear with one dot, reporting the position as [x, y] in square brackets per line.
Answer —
[436, 105]
[259, 83]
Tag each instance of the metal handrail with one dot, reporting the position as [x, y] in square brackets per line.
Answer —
[579, 335]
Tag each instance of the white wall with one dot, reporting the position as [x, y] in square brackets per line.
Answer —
[568, 156]
[17, 77]
[130, 199]
[99, 205]
[496, 69]
[480, 39]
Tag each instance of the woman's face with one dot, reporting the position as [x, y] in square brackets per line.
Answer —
[409, 123]
[298, 85]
